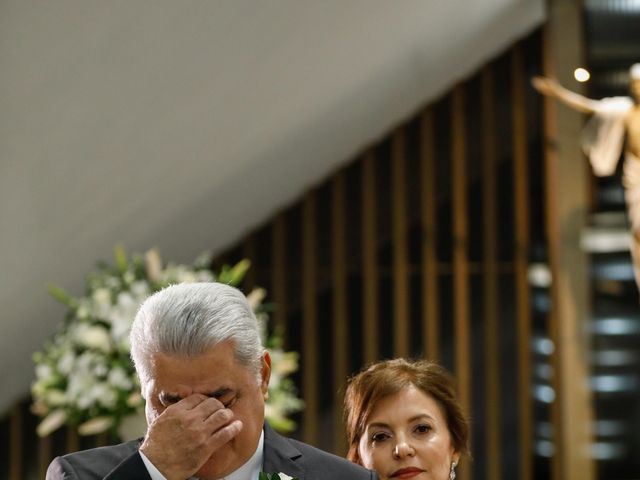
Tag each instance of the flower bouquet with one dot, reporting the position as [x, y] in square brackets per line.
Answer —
[84, 375]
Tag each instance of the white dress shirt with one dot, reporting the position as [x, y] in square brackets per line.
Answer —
[249, 471]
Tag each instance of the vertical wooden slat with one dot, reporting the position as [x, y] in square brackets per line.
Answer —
[310, 321]
[16, 469]
[279, 272]
[369, 263]
[460, 255]
[340, 331]
[428, 200]
[44, 455]
[490, 279]
[102, 439]
[521, 261]
[72, 440]
[400, 255]
[571, 411]
[551, 159]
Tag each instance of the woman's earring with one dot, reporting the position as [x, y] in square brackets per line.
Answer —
[452, 473]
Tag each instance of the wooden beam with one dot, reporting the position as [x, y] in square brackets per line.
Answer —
[460, 255]
[44, 455]
[428, 201]
[310, 363]
[566, 212]
[370, 323]
[279, 272]
[16, 451]
[492, 435]
[400, 278]
[340, 332]
[521, 263]
[72, 440]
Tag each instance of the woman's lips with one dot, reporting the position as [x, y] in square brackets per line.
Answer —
[408, 472]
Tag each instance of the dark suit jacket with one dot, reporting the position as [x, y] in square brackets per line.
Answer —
[122, 462]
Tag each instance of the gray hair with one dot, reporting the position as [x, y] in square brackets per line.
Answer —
[188, 319]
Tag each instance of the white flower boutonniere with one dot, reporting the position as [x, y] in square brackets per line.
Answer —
[275, 476]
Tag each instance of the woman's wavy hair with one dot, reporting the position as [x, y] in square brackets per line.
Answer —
[388, 377]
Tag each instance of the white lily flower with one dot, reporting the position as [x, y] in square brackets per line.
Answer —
[87, 365]
[44, 372]
[255, 297]
[97, 337]
[51, 423]
[118, 378]
[96, 425]
[65, 363]
[56, 398]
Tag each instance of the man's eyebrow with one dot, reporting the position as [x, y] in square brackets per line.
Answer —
[220, 392]
[217, 394]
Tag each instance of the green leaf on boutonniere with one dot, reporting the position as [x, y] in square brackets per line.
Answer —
[275, 476]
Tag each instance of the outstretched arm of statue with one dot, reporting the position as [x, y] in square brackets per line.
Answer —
[551, 87]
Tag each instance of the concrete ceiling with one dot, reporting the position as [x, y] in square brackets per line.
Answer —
[183, 125]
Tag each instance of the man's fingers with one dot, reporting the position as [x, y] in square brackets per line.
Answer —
[224, 435]
[207, 407]
[198, 404]
[218, 418]
[190, 402]
[201, 413]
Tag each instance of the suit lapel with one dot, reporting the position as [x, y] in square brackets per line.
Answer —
[280, 455]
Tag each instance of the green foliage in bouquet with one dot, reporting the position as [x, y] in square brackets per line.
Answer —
[84, 375]
[275, 476]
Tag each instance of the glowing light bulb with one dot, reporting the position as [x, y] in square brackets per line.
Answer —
[581, 74]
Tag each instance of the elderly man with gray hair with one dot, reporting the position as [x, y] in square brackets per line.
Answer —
[204, 374]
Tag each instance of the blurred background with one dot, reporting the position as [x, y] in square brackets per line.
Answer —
[399, 187]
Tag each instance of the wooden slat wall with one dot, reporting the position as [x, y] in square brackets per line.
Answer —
[44, 455]
[16, 467]
[73, 440]
[571, 412]
[490, 278]
[26, 456]
[428, 201]
[278, 273]
[521, 261]
[369, 260]
[340, 338]
[310, 363]
[552, 228]
[400, 254]
[461, 306]
[395, 285]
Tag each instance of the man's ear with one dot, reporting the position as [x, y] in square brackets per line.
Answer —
[265, 373]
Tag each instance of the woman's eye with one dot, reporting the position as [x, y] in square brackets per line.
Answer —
[422, 428]
[379, 437]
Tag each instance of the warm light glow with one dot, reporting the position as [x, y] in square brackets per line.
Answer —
[581, 74]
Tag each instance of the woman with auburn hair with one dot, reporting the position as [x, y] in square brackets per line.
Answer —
[403, 421]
